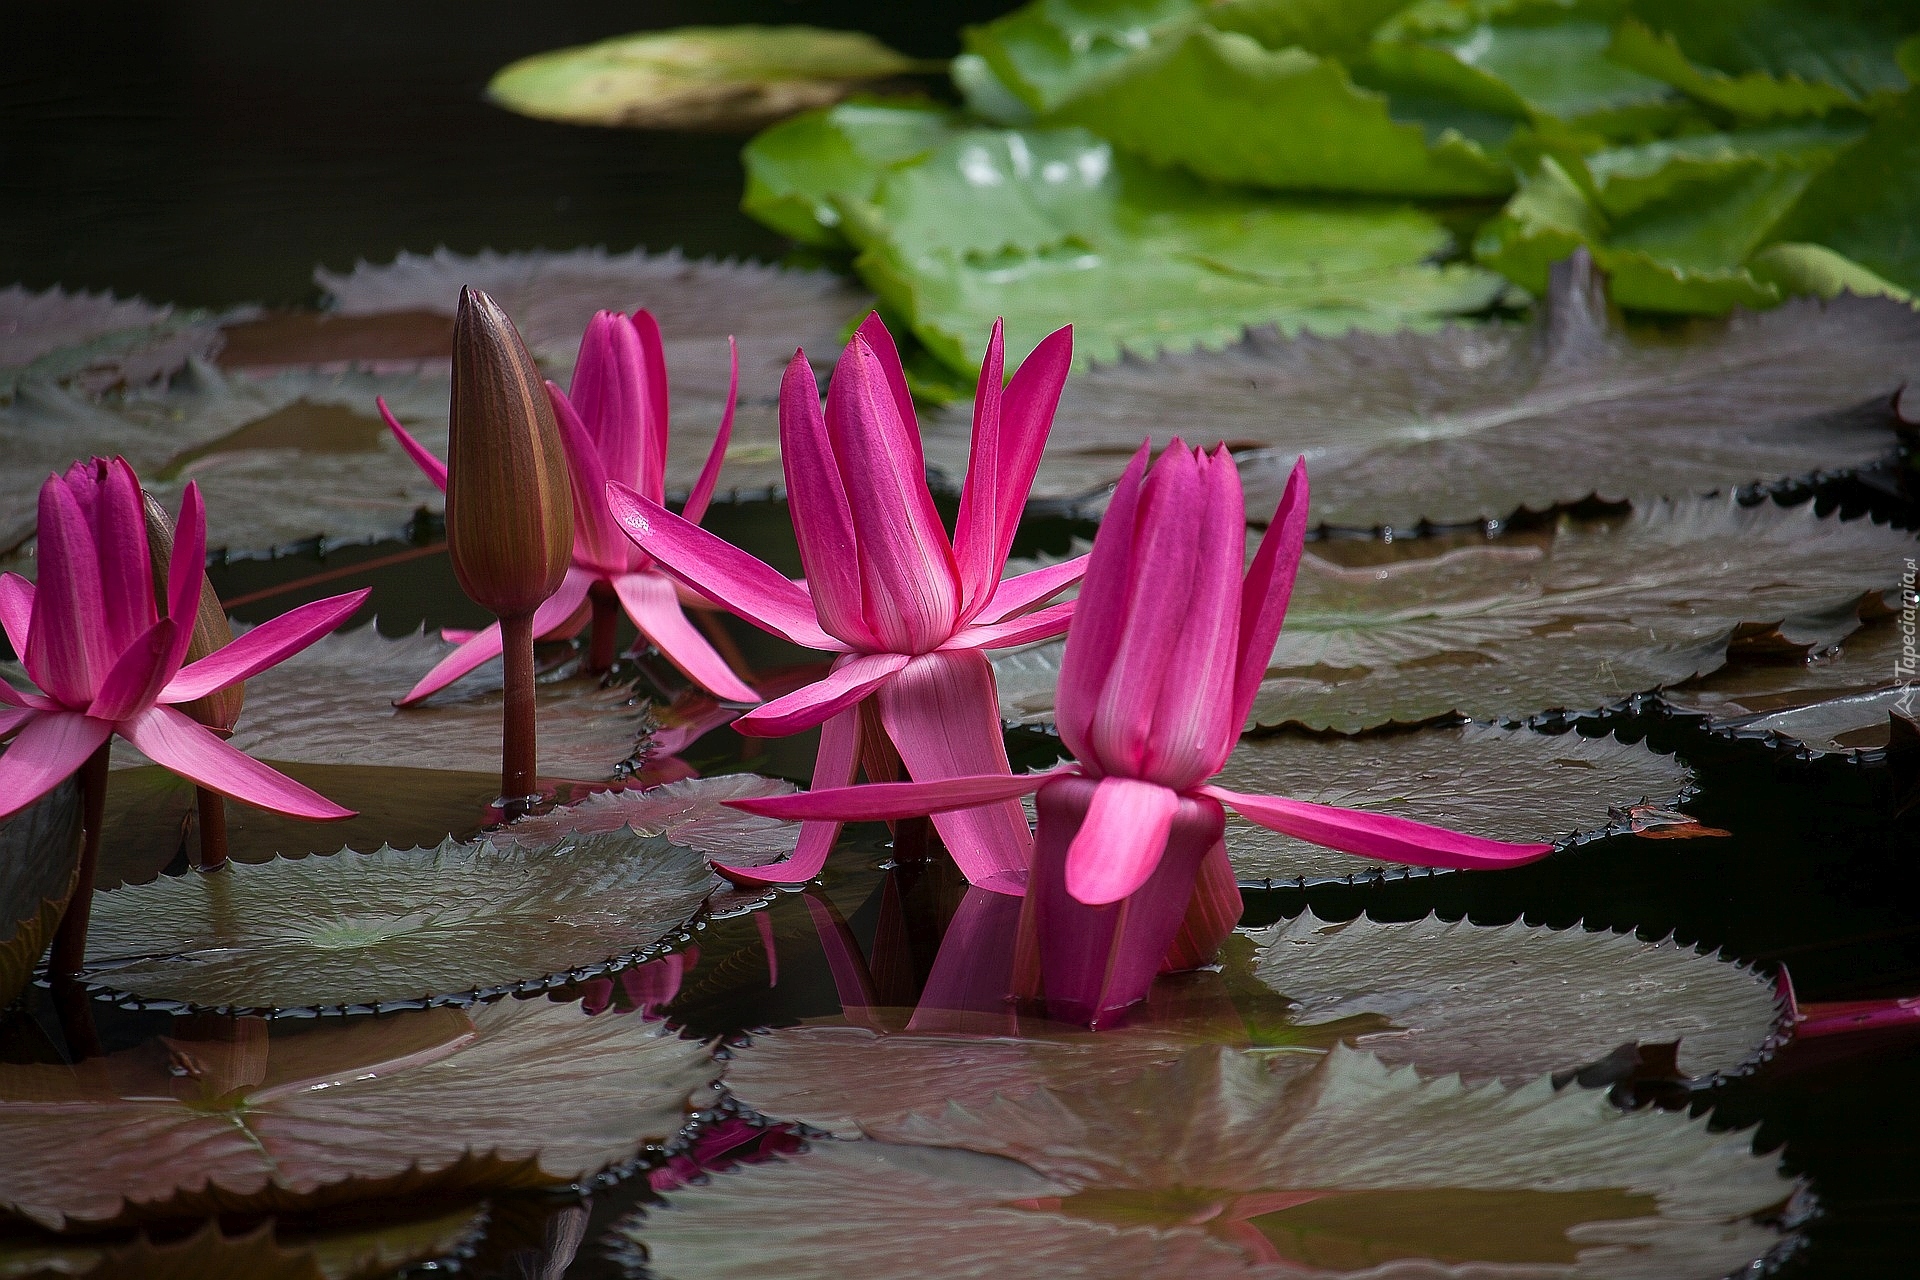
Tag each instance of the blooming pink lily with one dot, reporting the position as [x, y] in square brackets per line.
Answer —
[614, 425]
[106, 662]
[907, 609]
[1161, 668]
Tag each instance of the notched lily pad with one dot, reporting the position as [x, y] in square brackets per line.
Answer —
[227, 1116]
[690, 812]
[1506, 784]
[96, 342]
[1501, 419]
[1511, 1003]
[1228, 1164]
[718, 78]
[39, 859]
[395, 928]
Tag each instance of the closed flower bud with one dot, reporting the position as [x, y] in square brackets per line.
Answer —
[219, 710]
[509, 508]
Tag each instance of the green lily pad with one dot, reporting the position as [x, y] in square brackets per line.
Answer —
[1837, 702]
[39, 860]
[1512, 1003]
[226, 1116]
[721, 78]
[1865, 206]
[798, 170]
[268, 1252]
[395, 928]
[1477, 424]
[1226, 1164]
[1770, 58]
[1505, 784]
[95, 341]
[1572, 618]
[690, 813]
[1060, 228]
[1049, 52]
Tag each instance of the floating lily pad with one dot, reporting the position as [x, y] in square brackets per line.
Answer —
[799, 171]
[1865, 206]
[722, 78]
[279, 459]
[689, 813]
[227, 1116]
[1513, 1003]
[39, 859]
[265, 1253]
[1836, 702]
[395, 927]
[95, 341]
[1502, 418]
[1501, 783]
[1226, 1164]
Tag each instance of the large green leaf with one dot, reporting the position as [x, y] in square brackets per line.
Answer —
[395, 928]
[96, 341]
[1866, 205]
[696, 77]
[226, 1115]
[1470, 425]
[1049, 51]
[39, 861]
[1226, 1164]
[1052, 227]
[797, 171]
[1501, 783]
[1770, 58]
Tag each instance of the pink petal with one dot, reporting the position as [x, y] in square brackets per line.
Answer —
[1269, 585]
[702, 492]
[976, 531]
[1193, 724]
[12, 717]
[832, 767]
[137, 677]
[610, 393]
[650, 601]
[423, 458]
[12, 697]
[873, 331]
[1103, 593]
[852, 678]
[659, 409]
[48, 750]
[597, 540]
[186, 572]
[1018, 594]
[910, 590]
[67, 653]
[1378, 835]
[270, 643]
[1096, 960]
[817, 503]
[16, 610]
[943, 713]
[885, 801]
[1025, 629]
[1120, 839]
[1213, 913]
[175, 742]
[557, 609]
[720, 570]
[119, 521]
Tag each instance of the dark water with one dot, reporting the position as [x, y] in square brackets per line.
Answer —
[212, 154]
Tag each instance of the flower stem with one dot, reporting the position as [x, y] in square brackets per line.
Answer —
[606, 623]
[213, 829]
[70, 939]
[517, 755]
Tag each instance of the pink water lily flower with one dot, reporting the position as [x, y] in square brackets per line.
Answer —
[107, 662]
[907, 610]
[614, 425]
[1161, 668]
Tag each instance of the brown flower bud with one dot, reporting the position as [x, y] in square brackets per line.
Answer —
[219, 710]
[509, 507]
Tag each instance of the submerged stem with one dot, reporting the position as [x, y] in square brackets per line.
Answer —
[606, 622]
[517, 753]
[213, 829]
[70, 939]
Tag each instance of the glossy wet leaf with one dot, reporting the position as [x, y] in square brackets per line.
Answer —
[1060, 228]
[1048, 52]
[1226, 1164]
[690, 813]
[95, 341]
[279, 459]
[265, 1253]
[1835, 702]
[1473, 424]
[39, 858]
[1514, 1002]
[1770, 59]
[798, 170]
[724, 78]
[395, 927]
[1501, 783]
[229, 1116]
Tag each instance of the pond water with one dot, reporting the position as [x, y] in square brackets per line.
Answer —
[214, 154]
